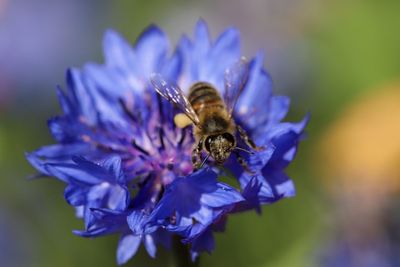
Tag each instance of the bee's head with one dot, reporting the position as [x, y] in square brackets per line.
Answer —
[220, 146]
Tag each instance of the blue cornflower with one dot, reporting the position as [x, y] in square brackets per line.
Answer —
[128, 167]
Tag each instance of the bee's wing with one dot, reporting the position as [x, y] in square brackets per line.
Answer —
[235, 79]
[174, 94]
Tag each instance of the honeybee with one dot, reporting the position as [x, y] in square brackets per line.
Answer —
[214, 129]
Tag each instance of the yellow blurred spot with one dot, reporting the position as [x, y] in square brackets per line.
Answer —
[181, 120]
[363, 145]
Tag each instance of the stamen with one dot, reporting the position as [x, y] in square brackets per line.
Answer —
[139, 148]
[161, 137]
[183, 135]
[126, 110]
[88, 139]
[160, 108]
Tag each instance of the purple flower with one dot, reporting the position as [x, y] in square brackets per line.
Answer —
[128, 167]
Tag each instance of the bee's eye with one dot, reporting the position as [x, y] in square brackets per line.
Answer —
[208, 143]
[229, 137]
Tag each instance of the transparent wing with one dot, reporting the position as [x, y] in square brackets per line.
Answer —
[174, 94]
[235, 79]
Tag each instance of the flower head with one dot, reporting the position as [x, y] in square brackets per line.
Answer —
[128, 167]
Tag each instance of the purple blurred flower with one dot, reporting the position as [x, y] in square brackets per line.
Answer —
[127, 166]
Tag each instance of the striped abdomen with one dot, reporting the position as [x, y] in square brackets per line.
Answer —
[204, 96]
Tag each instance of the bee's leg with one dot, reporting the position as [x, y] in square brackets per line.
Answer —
[242, 162]
[196, 155]
[247, 139]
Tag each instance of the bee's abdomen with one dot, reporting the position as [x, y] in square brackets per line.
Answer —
[203, 95]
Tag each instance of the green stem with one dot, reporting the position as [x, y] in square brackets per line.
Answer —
[182, 255]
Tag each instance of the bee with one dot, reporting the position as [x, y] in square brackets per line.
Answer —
[214, 128]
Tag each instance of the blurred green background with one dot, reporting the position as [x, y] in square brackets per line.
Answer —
[326, 55]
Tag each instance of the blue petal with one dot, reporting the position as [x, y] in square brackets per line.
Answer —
[280, 182]
[279, 108]
[127, 247]
[118, 198]
[63, 130]
[290, 154]
[282, 143]
[224, 53]
[104, 214]
[227, 47]
[251, 193]
[151, 48]
[79, 211]
[253, 106]
[275, 131]
[81, 96]
[72, 173]
[259, 159]
[223, 196]
[286, 189]
[99, 222]
[136, 221]
[54, 153]
[202, 37]
[37, 162]
[199, 197]
[118, 52]
[204, 215]
[68, 107]
[266, 192]
[100, 231]
[150, 245]
[93, 168]
[173, 69]
[110, 81]
[75, 195]
[113, 166]
[205, 242]
[146, 198]
[97, 195]
[107, 108]
[61, 151]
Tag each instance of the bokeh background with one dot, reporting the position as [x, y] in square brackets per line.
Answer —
[340, 60]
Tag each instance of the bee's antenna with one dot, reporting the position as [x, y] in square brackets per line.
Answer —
[204, 161]
[244, 150]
